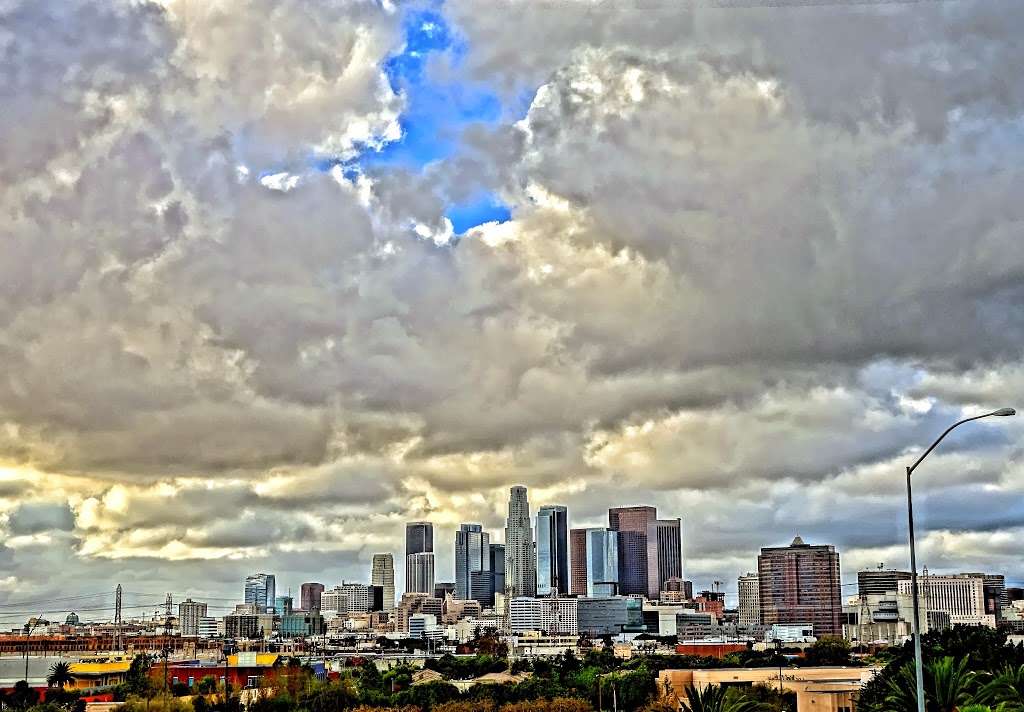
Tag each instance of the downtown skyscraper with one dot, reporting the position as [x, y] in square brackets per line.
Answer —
[260, 591]
[419, 557]
[419, 537]
[631, 525]
[552, 550]
[664, 554]
[599, 549]
[520, 570]
[382, 573]
[473, 576]
[309, 596]
[650, 549]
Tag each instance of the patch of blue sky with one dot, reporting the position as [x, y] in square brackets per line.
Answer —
[439, 106]
[482, 208]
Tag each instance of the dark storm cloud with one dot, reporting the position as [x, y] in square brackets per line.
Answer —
[42, 517]
[755, 259]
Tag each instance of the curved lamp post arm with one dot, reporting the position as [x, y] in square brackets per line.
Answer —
[998, 413]
[914, 592]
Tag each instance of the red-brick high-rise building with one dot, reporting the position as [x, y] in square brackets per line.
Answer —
[800, 583]
[578, 562]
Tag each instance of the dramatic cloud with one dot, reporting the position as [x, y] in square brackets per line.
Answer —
[754, 260]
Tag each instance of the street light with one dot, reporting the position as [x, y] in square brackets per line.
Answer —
[778, 654]
[918, 665]
[28, 639]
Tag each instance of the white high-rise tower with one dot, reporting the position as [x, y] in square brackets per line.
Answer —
[520, 565]
[383, 575]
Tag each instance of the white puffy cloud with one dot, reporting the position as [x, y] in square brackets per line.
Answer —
[755, 259]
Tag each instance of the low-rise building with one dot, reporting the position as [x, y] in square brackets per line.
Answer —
[818, 689]
[413, 603]
[548, 615]
[609, 616]
[100, 671]
[302, 625]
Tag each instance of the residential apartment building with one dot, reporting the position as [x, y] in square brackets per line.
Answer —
[800, 584]
[189, 614]
[749, 600]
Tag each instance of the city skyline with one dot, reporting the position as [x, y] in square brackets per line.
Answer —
[865, 581]
[267, 296]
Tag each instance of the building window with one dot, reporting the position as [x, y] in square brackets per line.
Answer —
[191, 681]
[252, 681]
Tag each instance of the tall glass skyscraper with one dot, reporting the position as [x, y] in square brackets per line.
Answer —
[419, 557]
[552, 550]
[498, 568]
[419, 538]
[602, 562]
[520, 567]
[472, 556]
[261, 590]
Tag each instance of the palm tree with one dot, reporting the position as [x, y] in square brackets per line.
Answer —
[60, 675]
[948, 687]
[1005, 690]
[712, 698]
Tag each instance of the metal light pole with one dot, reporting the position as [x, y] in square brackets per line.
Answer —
[28, 640]
[778, 653]
[918, 663]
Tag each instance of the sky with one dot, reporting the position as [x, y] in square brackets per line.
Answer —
[278, 276]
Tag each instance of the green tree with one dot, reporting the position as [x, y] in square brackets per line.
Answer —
[828, 650]
[329, 696]
[207, 685]
[985, 650]
[60, 675]
[21, 697]
[948, 686]
[766, 698]
[427, 695]
[137, 681]
[1005, 689]
[713, 698]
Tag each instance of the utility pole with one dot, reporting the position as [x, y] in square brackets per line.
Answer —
[168, 604]
[117, 618]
